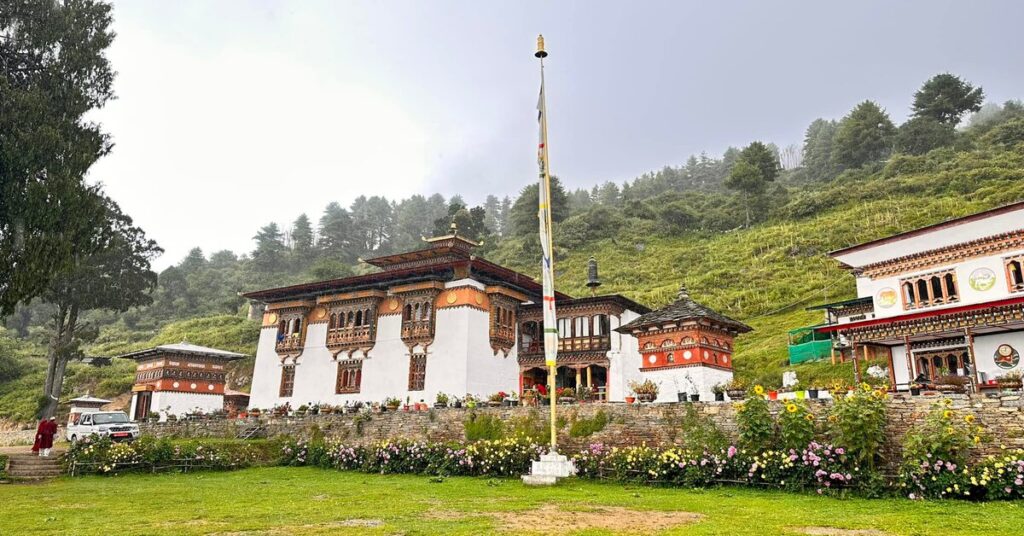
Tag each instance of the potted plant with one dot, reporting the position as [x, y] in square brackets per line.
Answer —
[951, 384]
[529, 397]
[646, 391]
[511, 400]
[542, 393]
[812, 391]
[682, 396]
[736, 389]
[584, 393]
[327, 409]
[471, 401]
[255, 412]
[171, 417]
[301, 412]
[565, 395]
[456, 402]
[391, 403]
[441, 400]
[1010, 380]
[152, 416]
[496, 399]
[630, 399]
[719, 390]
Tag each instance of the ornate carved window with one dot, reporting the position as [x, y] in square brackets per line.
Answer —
[418, 317]
[350, 376]
[937, 288]
[417, 371]
[287, 381]
[503, 323]
[352, 325]
[1015, 273]
[291, 331]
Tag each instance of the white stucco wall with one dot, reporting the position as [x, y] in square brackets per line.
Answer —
[958, 234]
[266, 374]
[175, 403]
[624, 358]
[673, 381]
[867, 287]
[985, 349]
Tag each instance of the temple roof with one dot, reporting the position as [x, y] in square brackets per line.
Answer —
[183, 348]
[89, 399]
[682, 310]
[433, 267]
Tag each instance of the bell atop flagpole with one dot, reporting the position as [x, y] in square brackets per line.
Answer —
[541, 53]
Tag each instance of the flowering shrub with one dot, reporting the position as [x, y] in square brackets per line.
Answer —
[796, 425]
[945, 434]
[857, 421]
[1001, 477]
[817, 466]
[757, 428]
[501, 457]
[102, 456]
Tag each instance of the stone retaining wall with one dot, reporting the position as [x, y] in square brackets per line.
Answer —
[651, 424]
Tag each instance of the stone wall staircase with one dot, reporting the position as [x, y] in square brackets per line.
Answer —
[29, 466]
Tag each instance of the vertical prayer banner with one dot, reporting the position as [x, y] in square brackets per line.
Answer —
[544, 213]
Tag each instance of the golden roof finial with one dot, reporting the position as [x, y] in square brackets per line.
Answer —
[541, 53]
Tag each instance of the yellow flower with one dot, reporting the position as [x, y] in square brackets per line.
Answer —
[947, 402]
[947, 414]
[758, 390]
[969, 419]
[950, 430]
[791, 408]
[977, 440]
[809, 416]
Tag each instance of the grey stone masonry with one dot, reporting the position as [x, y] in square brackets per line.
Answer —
[652, 424]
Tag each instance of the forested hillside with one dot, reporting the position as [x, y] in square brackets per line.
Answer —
[748, 235]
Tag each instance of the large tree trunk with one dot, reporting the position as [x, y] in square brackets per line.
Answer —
[58, 354]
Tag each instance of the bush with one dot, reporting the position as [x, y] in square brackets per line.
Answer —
[93, 455]
[757, 428]
[857, 421]
[3, 466]
[585, 427]
[796, 425]
[481, 427]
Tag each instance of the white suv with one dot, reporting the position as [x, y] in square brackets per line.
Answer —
[114, 424]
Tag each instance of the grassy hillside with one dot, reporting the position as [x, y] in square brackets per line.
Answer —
[766, 275]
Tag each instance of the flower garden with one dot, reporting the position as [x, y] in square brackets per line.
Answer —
[789, 451]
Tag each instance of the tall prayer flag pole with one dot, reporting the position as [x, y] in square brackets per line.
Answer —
[547, 264]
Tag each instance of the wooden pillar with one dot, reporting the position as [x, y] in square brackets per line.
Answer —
[892, 372]
[910, 361]
[969, 337]
[590, 377]
[833, 352]
[579, 378]
[856, 366]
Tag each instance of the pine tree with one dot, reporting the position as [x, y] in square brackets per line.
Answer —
[865, 135]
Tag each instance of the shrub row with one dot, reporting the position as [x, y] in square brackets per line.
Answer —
[501, 457]
[95, 455]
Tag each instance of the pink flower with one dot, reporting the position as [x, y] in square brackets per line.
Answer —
[732, 452]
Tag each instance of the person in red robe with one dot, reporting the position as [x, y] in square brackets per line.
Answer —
[44, 436]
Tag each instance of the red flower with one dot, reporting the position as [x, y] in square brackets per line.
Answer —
[542, 390]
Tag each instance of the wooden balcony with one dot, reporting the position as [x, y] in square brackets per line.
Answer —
[345, 336]
[574, 344]
[290, 345]
[418, 330]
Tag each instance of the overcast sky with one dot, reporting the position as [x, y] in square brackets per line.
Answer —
[230, 115]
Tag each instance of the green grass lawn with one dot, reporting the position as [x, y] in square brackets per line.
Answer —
[284, 500]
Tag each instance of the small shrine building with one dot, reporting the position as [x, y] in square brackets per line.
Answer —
[176, 379]
[686, 347]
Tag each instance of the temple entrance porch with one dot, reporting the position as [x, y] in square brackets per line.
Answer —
[593, 377]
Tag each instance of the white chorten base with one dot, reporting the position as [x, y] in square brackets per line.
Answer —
[547, 470]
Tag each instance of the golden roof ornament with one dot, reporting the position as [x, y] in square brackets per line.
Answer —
[541, 53]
